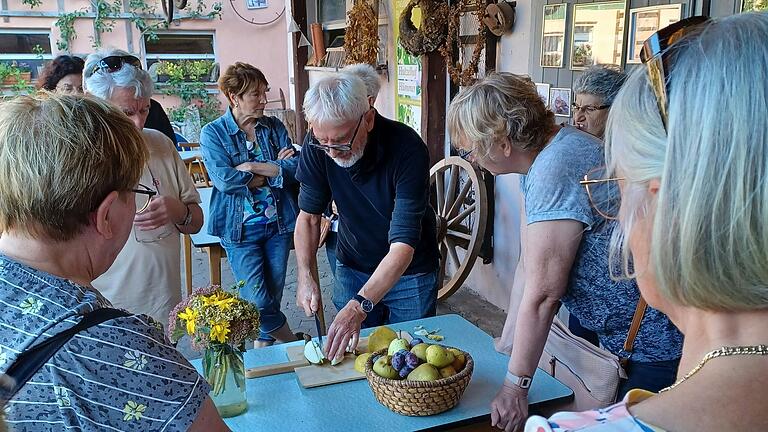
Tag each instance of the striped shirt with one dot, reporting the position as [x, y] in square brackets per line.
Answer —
[122, 375]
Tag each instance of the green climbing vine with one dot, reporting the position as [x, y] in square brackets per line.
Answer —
[16, 76]
[32, 3]
[186, 79]
[66, 26]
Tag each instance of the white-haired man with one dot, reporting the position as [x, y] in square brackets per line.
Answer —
[377, 171]
[149, 262]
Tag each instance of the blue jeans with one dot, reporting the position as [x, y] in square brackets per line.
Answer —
[651, 376]
[260, 259]
[413, 296]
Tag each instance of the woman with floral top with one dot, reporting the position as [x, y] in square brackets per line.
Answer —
[688, 147]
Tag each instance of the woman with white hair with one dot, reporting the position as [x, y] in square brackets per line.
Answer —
[595, 90]
[694, 206]
[503, 122]
[149, 262]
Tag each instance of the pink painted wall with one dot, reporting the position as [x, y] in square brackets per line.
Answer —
[235, 40]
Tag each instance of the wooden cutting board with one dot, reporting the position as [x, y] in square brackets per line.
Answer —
[325, 374]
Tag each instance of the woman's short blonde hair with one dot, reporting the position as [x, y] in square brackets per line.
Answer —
[709, 244]
[501, 105]
[240, 78]
[60, 156]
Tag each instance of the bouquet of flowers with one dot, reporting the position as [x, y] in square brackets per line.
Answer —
[218, 321]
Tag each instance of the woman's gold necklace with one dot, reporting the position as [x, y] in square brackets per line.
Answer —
[725, 351]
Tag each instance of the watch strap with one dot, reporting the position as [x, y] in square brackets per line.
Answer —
[362, 300]
[524, 382]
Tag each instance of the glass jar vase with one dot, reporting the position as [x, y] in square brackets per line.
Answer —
[224, 370]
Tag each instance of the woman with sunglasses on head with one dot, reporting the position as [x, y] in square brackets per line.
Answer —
[252, 165]
[64, 74]
[146, 277]
[595, 90]
[503, 122]
[694, 206]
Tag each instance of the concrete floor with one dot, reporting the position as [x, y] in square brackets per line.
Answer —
[464, 302]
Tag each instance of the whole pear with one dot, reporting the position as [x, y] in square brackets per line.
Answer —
[383, 368]
[397, 345]
[425, 372]
[447, 371]
[380, 338]
[459, 359]
[421, 351]
[360, 362]
[438, 356]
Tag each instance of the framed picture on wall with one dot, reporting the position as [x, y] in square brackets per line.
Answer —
[543, 90]
[553, 35]
[754, 5]
[560, 101]
[643, 22]
[597, 35]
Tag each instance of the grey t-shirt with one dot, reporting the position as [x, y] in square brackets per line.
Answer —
[552, 191]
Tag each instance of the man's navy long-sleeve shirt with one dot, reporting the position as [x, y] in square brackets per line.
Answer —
[382, 199]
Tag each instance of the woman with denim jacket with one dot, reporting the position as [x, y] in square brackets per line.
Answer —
[252, 164]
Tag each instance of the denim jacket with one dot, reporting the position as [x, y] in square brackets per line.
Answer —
[223, 147]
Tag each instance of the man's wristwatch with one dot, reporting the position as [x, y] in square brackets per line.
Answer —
[187, 217]
[524, 382]
[365, 304]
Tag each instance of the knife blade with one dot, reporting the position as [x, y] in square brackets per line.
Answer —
[319, 331]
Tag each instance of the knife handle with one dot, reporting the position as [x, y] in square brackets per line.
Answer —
[274, 369]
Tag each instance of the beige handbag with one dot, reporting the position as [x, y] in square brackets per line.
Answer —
[592, 373]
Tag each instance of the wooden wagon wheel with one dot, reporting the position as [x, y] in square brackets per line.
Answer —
[462, 210]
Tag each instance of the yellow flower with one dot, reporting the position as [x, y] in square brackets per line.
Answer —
[224, 304]
[189, 316]
[219, 331]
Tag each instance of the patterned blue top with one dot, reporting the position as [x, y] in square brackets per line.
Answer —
[552, 191]
[260, 209]
[122, 375]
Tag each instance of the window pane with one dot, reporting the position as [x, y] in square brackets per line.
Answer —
[180, 44]
[13, 43]
[332, 10]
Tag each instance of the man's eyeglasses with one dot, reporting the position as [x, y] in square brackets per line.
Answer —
[113, 64]
[338, 147]
[589, 109]
[143, 197]
[604, 194]
[659, 58]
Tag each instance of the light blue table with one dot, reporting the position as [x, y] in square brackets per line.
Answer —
[189, 154]
[279, 403]
[211, 244]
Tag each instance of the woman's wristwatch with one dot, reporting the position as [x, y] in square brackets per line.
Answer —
[524, 382]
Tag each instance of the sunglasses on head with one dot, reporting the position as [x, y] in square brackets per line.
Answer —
[658, 57]
[113, 64]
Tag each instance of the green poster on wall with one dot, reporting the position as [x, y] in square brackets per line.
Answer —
[407, 75]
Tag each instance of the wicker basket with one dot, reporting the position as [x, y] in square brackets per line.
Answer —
[419, 398]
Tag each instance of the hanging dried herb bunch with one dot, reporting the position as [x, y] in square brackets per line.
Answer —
[361, 40]
[463, 74]
[432, 31]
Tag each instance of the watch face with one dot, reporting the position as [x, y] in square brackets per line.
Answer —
[367, 305]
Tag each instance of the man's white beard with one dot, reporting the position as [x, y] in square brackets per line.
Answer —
[346, 163]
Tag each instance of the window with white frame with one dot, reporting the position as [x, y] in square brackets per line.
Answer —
[28, 50]
[191, 51]
[256, 4]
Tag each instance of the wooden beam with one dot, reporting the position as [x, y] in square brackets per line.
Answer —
[300, 75]
[433, 105]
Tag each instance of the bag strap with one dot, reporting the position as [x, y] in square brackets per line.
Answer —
[634, 328]
[33, 359]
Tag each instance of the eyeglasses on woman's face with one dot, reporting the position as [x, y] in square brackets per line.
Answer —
[313, 141]
[588, 109]
[603, 192]
[144, 195]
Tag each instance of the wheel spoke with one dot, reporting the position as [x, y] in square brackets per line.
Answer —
[443, 260]
[440, 189]
[459, 199]
[452, 253]
[461, 216]
[451, 187]
[459, 239]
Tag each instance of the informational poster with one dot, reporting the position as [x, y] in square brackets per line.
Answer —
[407, 74]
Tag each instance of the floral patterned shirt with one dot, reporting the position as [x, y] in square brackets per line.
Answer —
[121, 375]
[260, 209]
[615, 418]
